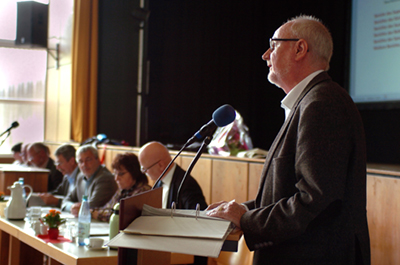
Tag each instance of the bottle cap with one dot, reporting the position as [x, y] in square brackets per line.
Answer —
[115, 209]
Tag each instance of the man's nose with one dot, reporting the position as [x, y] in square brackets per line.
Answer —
[266, 54]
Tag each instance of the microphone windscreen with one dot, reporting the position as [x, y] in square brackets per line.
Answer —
[224, 115]
[15, 124]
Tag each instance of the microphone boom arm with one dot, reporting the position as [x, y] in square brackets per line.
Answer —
[169, 165]
[205, 143]
[5, 137]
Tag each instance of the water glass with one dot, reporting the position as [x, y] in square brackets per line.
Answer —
[35, 213]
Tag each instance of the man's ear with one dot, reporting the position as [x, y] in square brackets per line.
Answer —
[301, 49]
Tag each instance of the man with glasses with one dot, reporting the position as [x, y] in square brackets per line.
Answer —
[154, 157]
[38, 155]
[95, 181]
[311, 203]
[66, 163]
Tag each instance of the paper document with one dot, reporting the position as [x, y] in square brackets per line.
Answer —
[36, 194]
[148, 210]
[179, 223]
[190, 246]
[98, 228]
[177, 231]
[179, 227]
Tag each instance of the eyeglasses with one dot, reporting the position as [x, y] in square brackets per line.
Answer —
[272, 42]
[144, 170]
[31, 157]
[86, 161]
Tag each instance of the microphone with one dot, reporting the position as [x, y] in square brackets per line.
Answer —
[15, 124]
[220, 118]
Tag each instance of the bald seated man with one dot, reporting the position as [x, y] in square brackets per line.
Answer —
[38, 155]
[154, 157]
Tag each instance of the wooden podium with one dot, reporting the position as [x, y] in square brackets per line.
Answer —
[37, 178]
[129, 209]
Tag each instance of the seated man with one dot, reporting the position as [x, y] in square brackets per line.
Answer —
[38, 156]
[66, 164]
[16, 152]
[95, 181]
[24, 155]
[154, 158]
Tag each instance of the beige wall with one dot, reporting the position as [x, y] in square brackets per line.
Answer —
[58, 94]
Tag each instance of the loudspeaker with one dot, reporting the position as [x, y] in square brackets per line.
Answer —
[32, 24]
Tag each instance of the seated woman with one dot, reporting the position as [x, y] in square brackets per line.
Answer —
[130, 181]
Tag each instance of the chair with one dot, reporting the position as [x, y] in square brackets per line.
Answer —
[242, 257]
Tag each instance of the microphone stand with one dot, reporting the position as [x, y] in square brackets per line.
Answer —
[169, 165]
[9, 132]
[6, 131]
[205, 143]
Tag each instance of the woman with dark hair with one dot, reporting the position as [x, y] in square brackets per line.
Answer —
[130, 180]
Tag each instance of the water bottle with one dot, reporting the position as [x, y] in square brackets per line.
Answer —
[84, 219]
[114, 221]
[21, 181]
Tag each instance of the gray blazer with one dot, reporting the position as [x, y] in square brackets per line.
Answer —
[99, 192]
[311, 203]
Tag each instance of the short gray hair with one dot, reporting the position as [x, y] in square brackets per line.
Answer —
[316, 34]
[85, 148]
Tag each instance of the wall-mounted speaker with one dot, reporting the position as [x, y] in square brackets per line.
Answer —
[32, 24]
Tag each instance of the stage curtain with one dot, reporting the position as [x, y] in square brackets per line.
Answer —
[84, 70]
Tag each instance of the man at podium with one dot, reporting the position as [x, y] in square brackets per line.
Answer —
[311, 203]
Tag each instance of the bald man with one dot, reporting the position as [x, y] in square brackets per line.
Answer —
[154, 158]
[38, 155]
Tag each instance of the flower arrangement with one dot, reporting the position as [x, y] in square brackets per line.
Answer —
[53, 219]
[2, 196]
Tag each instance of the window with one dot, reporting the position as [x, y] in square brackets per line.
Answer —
[22, 84]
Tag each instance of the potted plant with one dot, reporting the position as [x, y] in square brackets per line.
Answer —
[53, 220]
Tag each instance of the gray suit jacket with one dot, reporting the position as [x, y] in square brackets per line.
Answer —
[311, 203]
[99, 192]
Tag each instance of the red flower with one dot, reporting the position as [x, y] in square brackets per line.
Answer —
[53, 219]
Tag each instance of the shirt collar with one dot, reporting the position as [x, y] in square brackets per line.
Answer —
[72, 176]
[45, 163]
[167, 179]
[288, 101]
[90, 179]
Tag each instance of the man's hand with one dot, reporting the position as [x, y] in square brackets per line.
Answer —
[75, 209]
[95, 213]
[230, 211]
[49, 199]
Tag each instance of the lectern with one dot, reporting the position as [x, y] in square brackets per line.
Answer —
[172, 236]
[130, 209]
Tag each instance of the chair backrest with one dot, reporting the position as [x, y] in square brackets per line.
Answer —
[242, 257]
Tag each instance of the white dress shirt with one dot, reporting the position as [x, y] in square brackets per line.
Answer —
[166, 184]
[288, 101]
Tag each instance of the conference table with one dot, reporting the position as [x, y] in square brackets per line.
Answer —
[19, 245]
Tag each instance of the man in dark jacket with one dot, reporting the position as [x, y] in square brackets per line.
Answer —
[311, 202]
